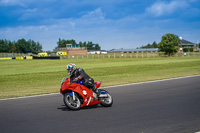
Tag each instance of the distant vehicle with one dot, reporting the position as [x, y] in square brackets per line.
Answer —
[43, 54]
[61, 53]
[104, 52]
[98, 52]
[91, 52]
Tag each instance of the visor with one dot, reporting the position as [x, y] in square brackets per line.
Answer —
[69, 71]
[69, 67]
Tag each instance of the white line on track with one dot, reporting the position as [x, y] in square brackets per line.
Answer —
[152, 81]
[29, 96]
[106, 87]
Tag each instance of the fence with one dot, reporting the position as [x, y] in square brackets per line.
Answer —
[128, 55]
[111, 55]
[12, 54]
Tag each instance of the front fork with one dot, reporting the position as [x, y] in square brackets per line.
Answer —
[73, 95]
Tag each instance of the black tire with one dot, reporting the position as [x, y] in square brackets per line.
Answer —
[70, 103]
[106, 102]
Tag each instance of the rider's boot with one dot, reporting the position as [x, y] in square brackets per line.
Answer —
[96, 91]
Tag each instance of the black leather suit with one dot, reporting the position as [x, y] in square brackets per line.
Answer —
[81, 75]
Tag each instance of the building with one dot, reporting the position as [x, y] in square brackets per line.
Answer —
[72, 46]
[72, 49]
[184, 44]
[142, 50]
[97, 52]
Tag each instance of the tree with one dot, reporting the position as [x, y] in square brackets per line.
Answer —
[21, 46]
[198, 45]
[38, 48]
[169, 44]
[153, 45]
[81, 44]
[12, 47]
[89, 45]
[62, 42]
[4, 47]
[97, 47]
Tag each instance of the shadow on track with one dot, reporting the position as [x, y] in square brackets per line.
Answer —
[64, 108]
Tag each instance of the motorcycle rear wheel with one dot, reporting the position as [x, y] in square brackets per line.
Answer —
[70, 103]
[108, 101]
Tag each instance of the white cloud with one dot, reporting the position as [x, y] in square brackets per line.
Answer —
[13, 2]
[92, 18]
[28, 13]
[23, 3]
[94, 14]
[47, 35]
[163, 8]
[127, 32]
[107, 36]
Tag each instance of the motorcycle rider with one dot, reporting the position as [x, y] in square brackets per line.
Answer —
[78, 74]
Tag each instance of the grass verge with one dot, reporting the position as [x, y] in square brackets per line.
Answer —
[32, 77]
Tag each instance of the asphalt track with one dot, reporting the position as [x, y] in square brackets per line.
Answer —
[169, 106]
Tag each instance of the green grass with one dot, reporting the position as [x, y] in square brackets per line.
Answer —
[32, 77]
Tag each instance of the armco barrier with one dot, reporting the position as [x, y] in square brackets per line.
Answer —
[49, 57]
[29, 57]
[19, 58]
[6, 58]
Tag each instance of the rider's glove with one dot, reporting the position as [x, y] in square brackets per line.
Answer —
[79, 78]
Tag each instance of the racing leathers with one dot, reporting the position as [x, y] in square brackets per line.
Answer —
[79, 74]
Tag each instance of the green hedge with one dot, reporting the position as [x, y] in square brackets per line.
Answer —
[187, 49]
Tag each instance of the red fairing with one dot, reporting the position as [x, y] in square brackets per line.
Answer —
[84, 92]
[65, 85]
[98, 84]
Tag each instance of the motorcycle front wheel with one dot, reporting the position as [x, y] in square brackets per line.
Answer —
[70, 103]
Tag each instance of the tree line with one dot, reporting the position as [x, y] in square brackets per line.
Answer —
[169, 44]
[153, 45]
[30, 46]
[21, 46]
[89, 45]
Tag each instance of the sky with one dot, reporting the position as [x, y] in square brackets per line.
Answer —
[113, 24]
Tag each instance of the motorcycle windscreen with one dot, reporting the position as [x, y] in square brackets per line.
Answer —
[63, 80]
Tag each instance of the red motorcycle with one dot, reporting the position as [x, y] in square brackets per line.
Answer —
[76, 95]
